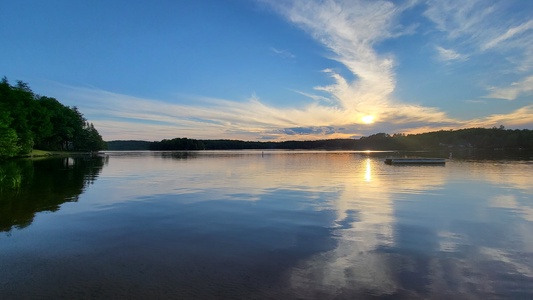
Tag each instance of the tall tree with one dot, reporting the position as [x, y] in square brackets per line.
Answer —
[89, 139]
[17, 101]
[8, 138]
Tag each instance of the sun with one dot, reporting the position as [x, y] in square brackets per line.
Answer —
[368, 119]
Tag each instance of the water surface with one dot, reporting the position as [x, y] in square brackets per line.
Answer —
[267, 225]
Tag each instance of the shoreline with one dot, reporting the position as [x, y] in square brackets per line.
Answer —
[43, 154]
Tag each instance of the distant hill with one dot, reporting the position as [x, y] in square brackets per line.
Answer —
[128, 145]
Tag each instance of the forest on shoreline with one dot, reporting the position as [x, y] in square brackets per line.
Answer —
[476, 138]
[29, 121]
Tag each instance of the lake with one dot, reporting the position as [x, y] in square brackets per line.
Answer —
[266, 225]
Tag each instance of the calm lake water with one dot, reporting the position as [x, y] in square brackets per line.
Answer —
[265, 225]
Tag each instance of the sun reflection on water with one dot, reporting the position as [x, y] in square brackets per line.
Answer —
[368, 170]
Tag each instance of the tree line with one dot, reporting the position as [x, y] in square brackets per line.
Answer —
[192, 144]
[29, 121]
[477, 138]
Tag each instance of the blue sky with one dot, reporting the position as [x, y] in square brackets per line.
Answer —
[276, 70]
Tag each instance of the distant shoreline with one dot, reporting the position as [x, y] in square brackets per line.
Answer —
[471, 138]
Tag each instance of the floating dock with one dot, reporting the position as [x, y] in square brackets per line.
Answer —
[415, 161]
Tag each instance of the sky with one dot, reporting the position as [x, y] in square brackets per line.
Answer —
[266, 70]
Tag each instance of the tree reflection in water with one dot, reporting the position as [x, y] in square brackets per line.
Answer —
[31, 186]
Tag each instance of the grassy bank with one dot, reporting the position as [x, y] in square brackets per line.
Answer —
[42, 153]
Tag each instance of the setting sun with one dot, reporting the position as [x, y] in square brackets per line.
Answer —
[368, 119]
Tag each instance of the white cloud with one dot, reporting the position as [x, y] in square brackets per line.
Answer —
[126, 117]
[520, 118]
[350, 30]
[476, 26]
[449, 54]
[459, 18]
[513, 91]
[488, 31]
[509, 34]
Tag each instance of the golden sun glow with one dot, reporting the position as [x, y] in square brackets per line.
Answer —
[368, 119]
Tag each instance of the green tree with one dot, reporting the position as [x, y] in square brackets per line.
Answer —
[44, 122]
[8, 138]
[66, 124]
[89, 139]
[39, 123]
[16, 101]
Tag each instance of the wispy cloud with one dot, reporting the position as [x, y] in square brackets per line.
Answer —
[216, 117]
[513, 91]
[127, 117]
[449, 54]
[460, 18]
[518, 119]
[282, 53]
[509, 34]
[350, 30]
[479, 27]
[479, 101]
